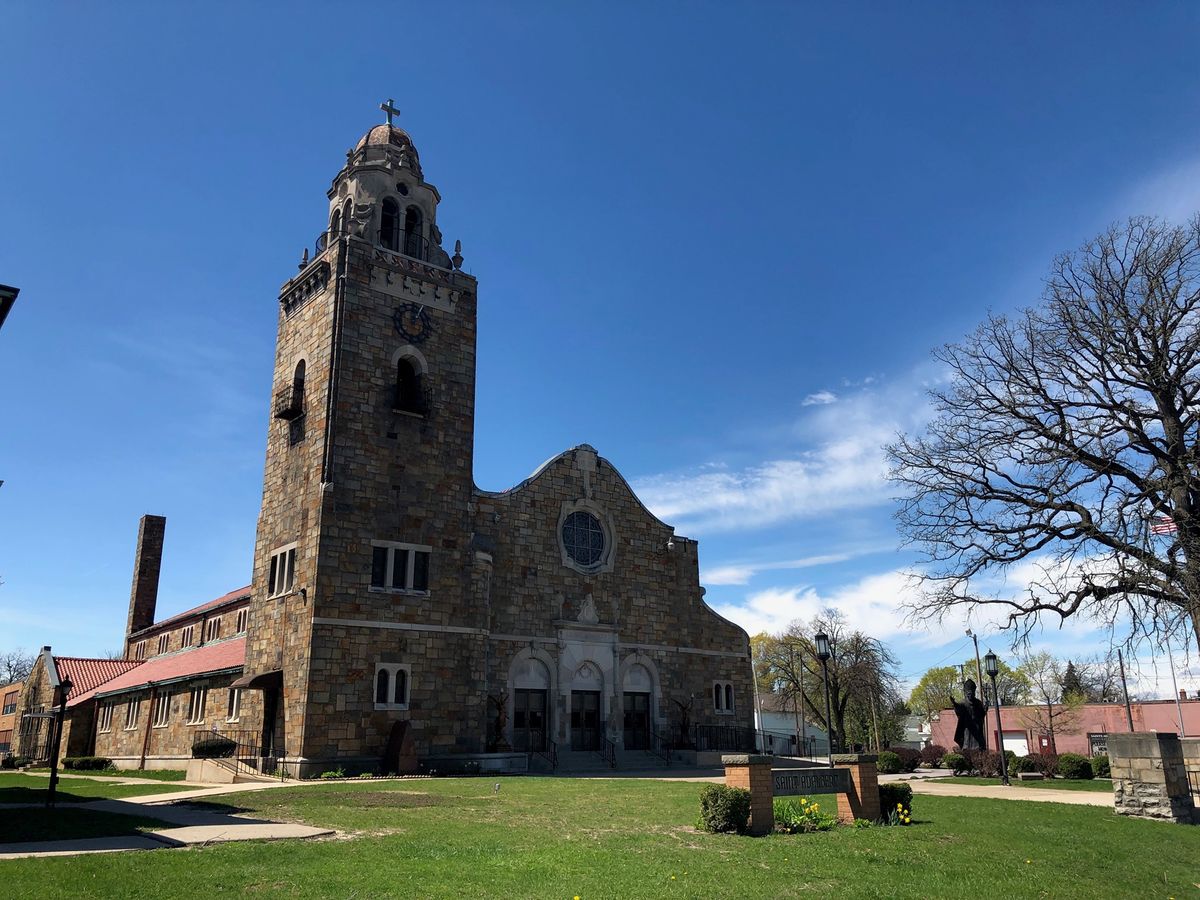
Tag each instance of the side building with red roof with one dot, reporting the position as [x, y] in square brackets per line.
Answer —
[172, 688]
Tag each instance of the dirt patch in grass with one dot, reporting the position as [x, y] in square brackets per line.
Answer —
[393, 799]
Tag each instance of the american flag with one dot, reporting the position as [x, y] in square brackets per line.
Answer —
[1163, 524]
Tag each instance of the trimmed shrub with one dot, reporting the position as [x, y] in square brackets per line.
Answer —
[888, 763]
[1025, 764]
[1010, 760]
[214, 748]
[896, 794]
[932, 756]
[724, 809]
[1101, 767]
[87, 763]
[956, 763]
[983, 762]
[1072, 765]
[795, 815]
[909, 759]
[8, 762]
[1046, 763]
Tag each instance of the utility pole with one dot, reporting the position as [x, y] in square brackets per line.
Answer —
[1125, 688]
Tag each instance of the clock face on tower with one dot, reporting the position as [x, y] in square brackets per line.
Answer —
[413, 322]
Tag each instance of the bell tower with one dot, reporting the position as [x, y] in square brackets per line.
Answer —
[361, 616]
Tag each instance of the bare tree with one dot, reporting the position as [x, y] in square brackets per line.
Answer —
[1051, 712]
[15, 665]
[862, 680]
[1061, 432]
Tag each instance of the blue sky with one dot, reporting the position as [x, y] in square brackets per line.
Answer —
[716, 242]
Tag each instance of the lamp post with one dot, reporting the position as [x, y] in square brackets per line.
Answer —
[993, 669]
[823, 654]
[64, 688]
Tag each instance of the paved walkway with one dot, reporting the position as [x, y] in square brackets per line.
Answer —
[1012, 792]
[190, 825]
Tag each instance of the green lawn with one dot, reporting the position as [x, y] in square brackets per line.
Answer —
[67, 823]
[154, 774]
[561, 838]
[16, 787]
[1104, 785]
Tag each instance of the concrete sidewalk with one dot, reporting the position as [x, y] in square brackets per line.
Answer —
[192, 825]
[1012, 792]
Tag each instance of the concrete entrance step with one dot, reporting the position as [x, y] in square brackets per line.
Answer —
[635, 760]
[581, 761]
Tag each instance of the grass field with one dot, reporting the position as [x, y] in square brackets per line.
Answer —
[562, 838]
[1102, 785]
[152, 774]
[18, 788]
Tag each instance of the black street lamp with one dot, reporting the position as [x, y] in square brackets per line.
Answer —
[64, 689]
[992, 667]
[823, 654]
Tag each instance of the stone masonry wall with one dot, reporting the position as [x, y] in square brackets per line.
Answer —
[1149, 778]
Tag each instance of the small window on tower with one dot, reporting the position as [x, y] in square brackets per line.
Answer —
[414, 243]
[410, 393]
[389, 225]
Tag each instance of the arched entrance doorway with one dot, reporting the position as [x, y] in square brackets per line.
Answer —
[587, 720]
[637, 688]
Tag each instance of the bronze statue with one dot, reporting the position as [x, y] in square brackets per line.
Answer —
[972, 719]
[685, 722]
[499, 740]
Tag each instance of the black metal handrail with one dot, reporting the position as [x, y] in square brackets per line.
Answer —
[608, 752]
[549, 751]
[247, 757]
[659, 746]
[727, 738]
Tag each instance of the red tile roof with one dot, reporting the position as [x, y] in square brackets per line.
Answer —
[214, 657]
[239, 594]
[86, 674]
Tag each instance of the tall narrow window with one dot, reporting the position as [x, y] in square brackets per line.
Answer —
[164, 642]
[139, 650]
[389, 225]
[410, 397]
[189, 635]
[414, 244]
[298, 388]
[392, 684]
[196, 704]
[161, 711]
[335, 225]
[131, 713]
[400, 690]
[283, 571]
[381, 686]
[242, 617]
[233, 707]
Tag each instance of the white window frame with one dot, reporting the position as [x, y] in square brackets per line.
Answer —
[139, 650]
[392, 669]
[188, 637]
[212, 629]
[160, 712]
[233, 705]
[411, 567]
[164, 642]
[243, 619]
[720, 706]
[133, 709]
[104, 718]
[197, 702]
[283, 562]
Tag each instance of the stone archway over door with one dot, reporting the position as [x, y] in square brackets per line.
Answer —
[637, 690]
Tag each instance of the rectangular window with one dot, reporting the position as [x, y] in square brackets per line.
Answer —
[401, 567]
[283, 571]
[104, 724]
[196, 704]
[189, 635]
[233, 709]
[6, 740]
[164, 642]
[162, 710]
[139, 650]
[10, 704]
[212, 629]
[242, 617]
[131, 713]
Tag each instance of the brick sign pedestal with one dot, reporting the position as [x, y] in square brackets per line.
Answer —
[753, 773]
[861, 800]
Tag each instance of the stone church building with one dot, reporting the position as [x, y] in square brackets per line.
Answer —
[557, 618]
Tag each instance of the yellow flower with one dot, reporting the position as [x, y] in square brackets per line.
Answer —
[899, 806]
[1028, 861]
[672, 877]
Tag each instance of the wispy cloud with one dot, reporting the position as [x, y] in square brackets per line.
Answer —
[742, 573]
[820, 398]
[835, 462]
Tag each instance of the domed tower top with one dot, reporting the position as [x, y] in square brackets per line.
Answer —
[381, 195]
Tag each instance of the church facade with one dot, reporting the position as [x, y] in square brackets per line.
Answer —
[560, 615]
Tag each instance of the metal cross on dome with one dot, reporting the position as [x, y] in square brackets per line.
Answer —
[389, 110]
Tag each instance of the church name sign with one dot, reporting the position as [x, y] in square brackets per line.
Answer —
[795, 782]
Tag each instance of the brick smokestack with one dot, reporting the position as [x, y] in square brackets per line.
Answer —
[146, 565]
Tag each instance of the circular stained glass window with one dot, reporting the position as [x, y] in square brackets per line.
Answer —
[583, 538]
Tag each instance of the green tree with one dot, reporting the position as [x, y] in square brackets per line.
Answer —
[939, 684]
